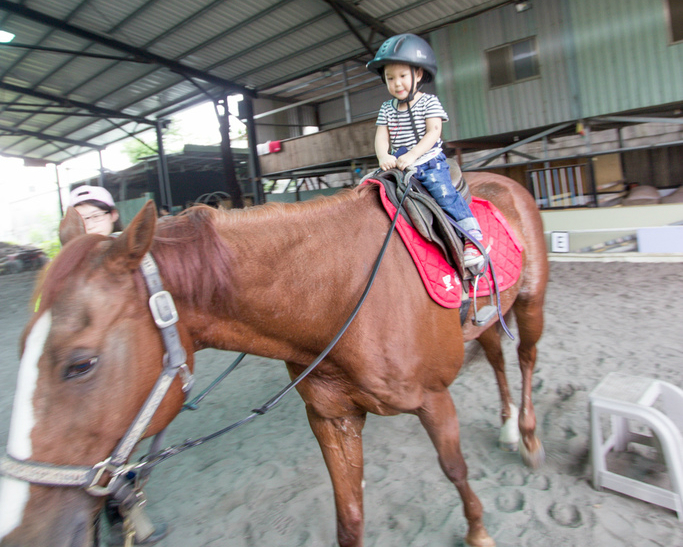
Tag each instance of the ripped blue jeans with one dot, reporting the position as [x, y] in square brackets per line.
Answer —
[435, 176]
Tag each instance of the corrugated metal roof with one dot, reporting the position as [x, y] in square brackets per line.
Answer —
[74, 61]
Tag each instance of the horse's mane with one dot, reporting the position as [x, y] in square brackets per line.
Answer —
[311, 207]
[193, 260]
[196, 262]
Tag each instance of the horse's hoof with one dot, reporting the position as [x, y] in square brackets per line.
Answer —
[532, 458]
[482, 540]
[508, 447]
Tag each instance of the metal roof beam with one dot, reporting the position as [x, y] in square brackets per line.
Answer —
[69, 103]
[49, 111]
[356, 33]
[174, 66]
[315, 99]
[26, 159]
[485, 160]
[638, 119]
[360, 15]
[50, 138]
[74, 52]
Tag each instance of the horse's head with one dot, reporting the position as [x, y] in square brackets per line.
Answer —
[89, 357]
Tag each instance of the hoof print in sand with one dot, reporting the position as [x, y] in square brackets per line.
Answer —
[539, 482]
[565, 514]
[511, 501]
[513, 476]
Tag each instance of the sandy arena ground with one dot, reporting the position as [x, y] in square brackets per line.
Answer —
[265, 485]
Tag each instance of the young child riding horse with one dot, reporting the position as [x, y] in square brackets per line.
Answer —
[409, 130]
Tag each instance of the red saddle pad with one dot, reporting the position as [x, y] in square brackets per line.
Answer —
[440, 279]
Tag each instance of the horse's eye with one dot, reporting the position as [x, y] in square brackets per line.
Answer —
[80, 368]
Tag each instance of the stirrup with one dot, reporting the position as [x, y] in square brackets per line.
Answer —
[486, 313]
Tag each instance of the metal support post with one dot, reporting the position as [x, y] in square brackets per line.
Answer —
[347, 102]
[233, 187]
[59, 192]
[247, 112]
[164, 180]
[99, 153]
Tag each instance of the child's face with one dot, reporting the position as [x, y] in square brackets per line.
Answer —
[400, 81]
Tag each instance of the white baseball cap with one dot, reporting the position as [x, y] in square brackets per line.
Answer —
[85, 193]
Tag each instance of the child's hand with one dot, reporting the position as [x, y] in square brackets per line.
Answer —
[387, 162]
[405, 161]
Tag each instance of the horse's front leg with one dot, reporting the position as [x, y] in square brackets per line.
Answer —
[509, 432]
[439, 418]
[341, 442]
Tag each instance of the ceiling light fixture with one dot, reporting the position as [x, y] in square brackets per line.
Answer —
[522, 5]
[6, 37]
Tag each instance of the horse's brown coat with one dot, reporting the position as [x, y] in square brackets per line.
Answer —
[277, 281]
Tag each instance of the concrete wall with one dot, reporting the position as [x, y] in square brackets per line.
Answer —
[594, 226]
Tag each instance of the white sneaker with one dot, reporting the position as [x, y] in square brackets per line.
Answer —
[473, 257]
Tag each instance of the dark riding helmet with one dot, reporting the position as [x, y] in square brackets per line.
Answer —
[406, 49]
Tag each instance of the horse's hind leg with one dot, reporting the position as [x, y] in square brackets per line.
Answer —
[342, 447]
[439, 418]
[529, 315]
[509, 432]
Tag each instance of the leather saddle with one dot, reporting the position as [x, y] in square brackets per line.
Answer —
[426, 216]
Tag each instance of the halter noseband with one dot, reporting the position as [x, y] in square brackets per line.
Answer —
[165, 317]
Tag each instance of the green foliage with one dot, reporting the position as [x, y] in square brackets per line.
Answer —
[143, 147]
[136, 149]
[46, 234]
[51, 248]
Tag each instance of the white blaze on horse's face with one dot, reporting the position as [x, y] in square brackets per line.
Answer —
[14, 494]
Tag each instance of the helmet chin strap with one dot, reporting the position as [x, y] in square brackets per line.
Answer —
[411, 95]
[413, 89]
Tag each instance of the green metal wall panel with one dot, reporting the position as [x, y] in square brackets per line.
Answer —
[459, 83]
[624, 58]
[596, 57]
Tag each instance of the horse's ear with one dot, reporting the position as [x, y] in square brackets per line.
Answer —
[130, 247]
[71, 226]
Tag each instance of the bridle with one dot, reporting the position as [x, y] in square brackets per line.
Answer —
[115, 467]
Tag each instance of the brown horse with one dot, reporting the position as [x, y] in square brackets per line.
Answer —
[277, 281]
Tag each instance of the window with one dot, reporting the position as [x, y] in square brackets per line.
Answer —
[675, 19]
[514, 62]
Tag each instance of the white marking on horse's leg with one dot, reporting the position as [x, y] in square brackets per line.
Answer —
[14, 494]
[509, 433]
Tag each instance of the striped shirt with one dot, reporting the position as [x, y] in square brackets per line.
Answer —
[401, 130]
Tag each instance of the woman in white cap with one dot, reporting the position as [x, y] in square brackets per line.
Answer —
[96, 206]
